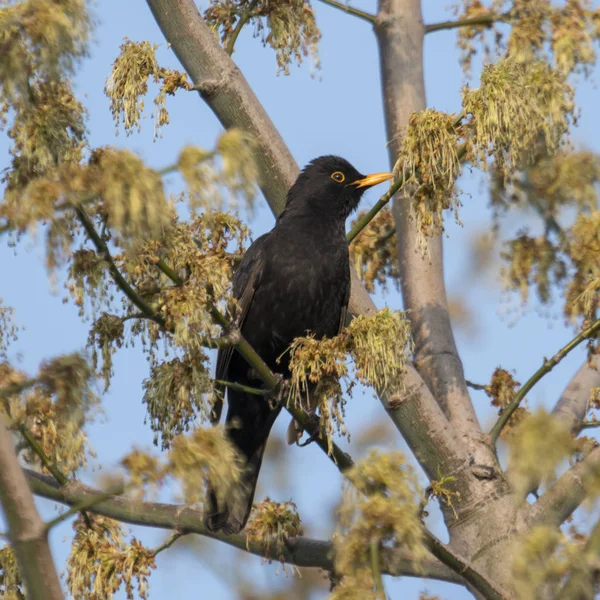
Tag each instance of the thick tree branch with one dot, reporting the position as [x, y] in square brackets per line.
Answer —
[26, 530]
[572, 406]
[548, 365]
[566, 494]
[479, 21]
[361, 14]
[399, 32]
[302, 552]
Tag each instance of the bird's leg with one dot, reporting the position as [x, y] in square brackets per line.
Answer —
[279, 391]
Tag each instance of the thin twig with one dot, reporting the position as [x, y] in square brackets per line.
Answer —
[395, 187]
[238, 387]
[476, 386]
[50, 466]
[244, 18]
[82, 506]
[590, 424]
[376, 570]
[103, 250]
[482, 20]
[168, 543]
[365, 16]
[548, 365]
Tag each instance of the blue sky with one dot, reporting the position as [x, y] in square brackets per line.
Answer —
[340, 112]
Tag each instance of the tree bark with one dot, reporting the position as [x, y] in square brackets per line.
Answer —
[573, 404]
[26, 530]
[400, 33]
[486, 514]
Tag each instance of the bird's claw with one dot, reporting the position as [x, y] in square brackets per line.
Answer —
[310, 440]
[279, 391]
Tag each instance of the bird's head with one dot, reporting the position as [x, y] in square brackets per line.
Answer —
[330, 185]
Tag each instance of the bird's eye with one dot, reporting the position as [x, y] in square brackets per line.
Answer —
[338, 176]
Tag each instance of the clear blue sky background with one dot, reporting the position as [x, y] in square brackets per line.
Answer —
[339, 111]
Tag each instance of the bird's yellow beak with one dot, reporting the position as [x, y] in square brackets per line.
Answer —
[373, 179]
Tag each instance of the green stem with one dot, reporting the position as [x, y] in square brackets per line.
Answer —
[590, 424]
[548, 365]
[168, 543]
[376, 570]
[238, 387]
[244, 18]
[482, 20]
[103, 250]
[52, 468]
[365, 16]
[82, 506]
[396, 186]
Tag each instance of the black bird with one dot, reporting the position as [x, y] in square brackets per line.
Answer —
[293, 280]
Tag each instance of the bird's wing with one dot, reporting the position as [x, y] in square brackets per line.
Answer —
[294, 431]
[245, 282]
[345, 303]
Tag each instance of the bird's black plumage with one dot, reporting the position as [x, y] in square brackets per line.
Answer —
[293, 280]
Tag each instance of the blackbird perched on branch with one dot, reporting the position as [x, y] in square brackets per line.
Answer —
[293, 280]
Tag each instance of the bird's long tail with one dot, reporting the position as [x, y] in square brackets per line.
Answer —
[248, 424]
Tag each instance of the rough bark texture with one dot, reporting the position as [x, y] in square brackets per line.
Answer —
[26, 530]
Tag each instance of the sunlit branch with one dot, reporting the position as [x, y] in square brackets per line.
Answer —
[590, 424]
[365, 16]
[548, 365]
[482, 20]
[302, 551]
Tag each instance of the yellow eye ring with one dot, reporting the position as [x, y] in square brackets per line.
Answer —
[338, 176]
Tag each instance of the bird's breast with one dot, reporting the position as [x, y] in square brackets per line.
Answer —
[302, 290]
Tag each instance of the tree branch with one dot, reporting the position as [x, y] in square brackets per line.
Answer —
[572, 406]
[566, 494]
[365, 16]
[120, 281]
[26, 530]
[481, 20]
[400, 38]
[244, 18]
[548, 365]
[301, 551]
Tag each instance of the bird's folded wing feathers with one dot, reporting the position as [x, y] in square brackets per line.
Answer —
[294, 430]
[245, 282]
